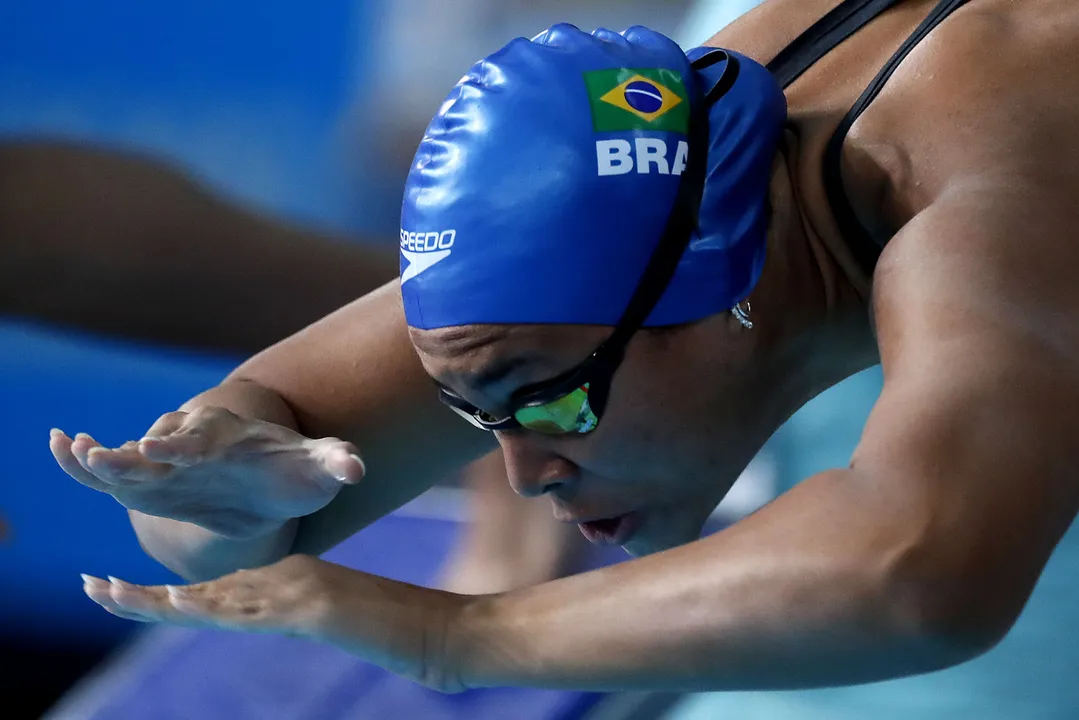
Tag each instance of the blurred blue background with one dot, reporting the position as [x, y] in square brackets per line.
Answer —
[245, 95]
[248, 95]
[312, 110]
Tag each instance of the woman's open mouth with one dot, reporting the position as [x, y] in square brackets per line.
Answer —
[611, 531]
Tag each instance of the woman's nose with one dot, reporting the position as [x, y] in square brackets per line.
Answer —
[532, 469]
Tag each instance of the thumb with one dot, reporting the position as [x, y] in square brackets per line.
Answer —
[342, 461]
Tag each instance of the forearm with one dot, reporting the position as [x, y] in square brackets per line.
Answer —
[355, 375]
[196, 554]
[193, 552]
[802, 594]
[352, 376]
[122, 244]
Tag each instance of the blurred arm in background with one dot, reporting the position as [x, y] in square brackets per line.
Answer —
[122, 244]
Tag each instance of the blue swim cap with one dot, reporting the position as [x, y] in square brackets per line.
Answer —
[544, 183]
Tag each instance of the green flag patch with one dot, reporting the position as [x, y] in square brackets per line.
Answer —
[638, 99]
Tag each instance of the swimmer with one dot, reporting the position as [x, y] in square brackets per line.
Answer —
[627, 267]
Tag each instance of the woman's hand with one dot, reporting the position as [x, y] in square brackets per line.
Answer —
[403, 628]
[237, 477]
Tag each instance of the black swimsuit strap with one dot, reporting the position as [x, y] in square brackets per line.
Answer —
[823, 36]
[866, 249]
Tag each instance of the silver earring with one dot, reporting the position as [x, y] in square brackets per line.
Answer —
[743, 315]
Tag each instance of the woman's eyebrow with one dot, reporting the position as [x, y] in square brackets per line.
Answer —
[498, 371]
[492, 374]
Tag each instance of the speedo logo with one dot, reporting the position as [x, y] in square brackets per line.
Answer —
[423, 250]
[618, 157]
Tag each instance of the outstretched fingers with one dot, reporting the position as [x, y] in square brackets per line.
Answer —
[103, 469]
[210, 604]
[61, 447]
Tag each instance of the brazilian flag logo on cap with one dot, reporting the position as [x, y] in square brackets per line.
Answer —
[638, 99]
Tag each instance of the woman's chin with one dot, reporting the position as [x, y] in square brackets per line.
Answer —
[661, 531]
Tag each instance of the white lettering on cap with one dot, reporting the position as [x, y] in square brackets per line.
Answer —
[613, 157]
[652, 151]
[424, 250]
[618, 157]
[681, 155]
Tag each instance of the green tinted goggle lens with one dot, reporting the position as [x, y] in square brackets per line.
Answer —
[570, 413]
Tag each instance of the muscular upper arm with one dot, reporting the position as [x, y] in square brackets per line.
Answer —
[974, 434]
[354, 375]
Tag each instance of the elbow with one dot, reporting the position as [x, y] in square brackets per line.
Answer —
[158, 547]
[948, 615]
[943, 632]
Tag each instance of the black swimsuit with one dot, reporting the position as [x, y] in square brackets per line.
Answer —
[809, 47]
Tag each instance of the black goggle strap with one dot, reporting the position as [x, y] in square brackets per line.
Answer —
[683, 218]
[681, 223]
[448, 397]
